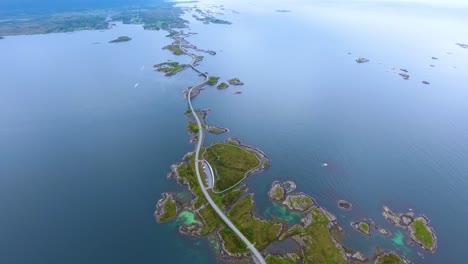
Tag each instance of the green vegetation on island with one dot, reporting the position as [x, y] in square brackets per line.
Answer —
[193, 127]
[231, 197]
[217, 130]
[299, 202]
[212, 80]
[230, 164]
[313, 233]
[222, 85]
[416, 226]
[210, 218]
[422, 233]
[235, 81]
[259, 232]
[175, 49]
[389, 258]
[364, 227]
[317, 244]
[166, 208]
[121, 39]
[170, 68]
[170, 210]
[231, 242]
[278, 193]
[273, 259]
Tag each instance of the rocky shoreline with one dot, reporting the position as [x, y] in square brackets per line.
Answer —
[160, 214]
[188, 45]
[203, 114]
[280, 192]
[364, 226]
[405, 221]
[278, 189]
[412, 232]
[344, 205]
[299, 202]
[362, 60]
[390, 257]
[216, 129]
[235, 81]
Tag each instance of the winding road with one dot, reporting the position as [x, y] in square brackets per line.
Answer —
[220, 213]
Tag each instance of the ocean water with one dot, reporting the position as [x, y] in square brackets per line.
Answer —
[305, 101]
[84, 151]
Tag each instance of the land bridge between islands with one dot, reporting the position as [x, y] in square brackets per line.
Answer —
[256, 254]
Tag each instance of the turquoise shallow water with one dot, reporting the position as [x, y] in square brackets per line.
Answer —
[84, 153]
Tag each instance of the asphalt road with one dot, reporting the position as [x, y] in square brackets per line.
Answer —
[220, 213]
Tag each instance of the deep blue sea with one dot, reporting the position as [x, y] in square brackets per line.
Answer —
[84, 150]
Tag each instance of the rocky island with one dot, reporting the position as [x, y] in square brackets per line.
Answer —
[170, 68]
[299, 202]
[361, 60]
[212, 80]
[363, 226]
[174, 48]
[279, 189]
[166, 208]
[417, 227]
[461, 45]
[422, 233]
[207, 18]
[222, 86]
[121, 39]
[344, 205]
[390, 258]
[235, 81]
[216, 129]
[404, 75]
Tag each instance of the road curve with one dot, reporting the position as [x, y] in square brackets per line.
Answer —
[220, 213]
[226, 220]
